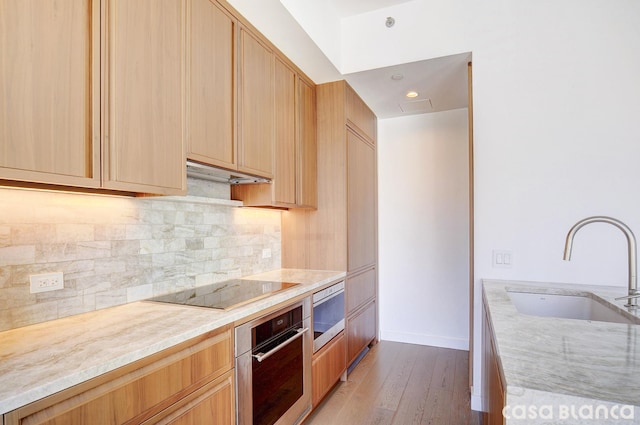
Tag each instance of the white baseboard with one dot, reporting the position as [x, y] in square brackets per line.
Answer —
[422, 339]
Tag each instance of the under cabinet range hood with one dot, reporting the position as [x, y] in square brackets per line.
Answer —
[220, 175]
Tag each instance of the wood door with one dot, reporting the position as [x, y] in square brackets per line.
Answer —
[256, 96]
[361, 205]
[50, 92]
[211, 85]
[307, 174]
[359, 116]
[284, 182]
[144, 132]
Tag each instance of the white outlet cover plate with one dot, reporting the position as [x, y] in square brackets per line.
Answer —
[46, 282]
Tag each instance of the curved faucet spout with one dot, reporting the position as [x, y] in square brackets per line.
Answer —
[631, 250]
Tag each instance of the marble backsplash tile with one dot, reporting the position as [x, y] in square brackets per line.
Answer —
[116, 250]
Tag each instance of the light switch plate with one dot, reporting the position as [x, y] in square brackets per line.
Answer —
[502, 259]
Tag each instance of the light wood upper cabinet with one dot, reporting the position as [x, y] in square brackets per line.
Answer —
[284, 182]
[307, 147]
[211, 85]
[359, 116]
[50, 92]
[145, 126]
[295, 174]
[256, 92]
[69, 67]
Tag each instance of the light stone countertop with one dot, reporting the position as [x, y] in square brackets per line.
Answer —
[39, 360]
[562, 364]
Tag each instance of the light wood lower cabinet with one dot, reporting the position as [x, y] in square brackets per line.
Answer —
[181, 384]
[214, 403]
[494, 387]
[327, 366]
[361, 330]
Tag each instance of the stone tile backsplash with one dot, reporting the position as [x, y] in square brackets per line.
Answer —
[116, 250]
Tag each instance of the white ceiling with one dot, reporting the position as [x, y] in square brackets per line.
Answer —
[441, 82]
[346, 8]
[441, 85]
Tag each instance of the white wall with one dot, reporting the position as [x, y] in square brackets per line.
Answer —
[555, 120]
[423, 182]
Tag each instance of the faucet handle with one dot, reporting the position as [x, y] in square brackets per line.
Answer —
[628, 297]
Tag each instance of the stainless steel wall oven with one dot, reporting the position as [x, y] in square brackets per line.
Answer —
[273, 367]
[328, 314]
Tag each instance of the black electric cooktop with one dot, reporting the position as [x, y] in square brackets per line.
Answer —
[225, 295]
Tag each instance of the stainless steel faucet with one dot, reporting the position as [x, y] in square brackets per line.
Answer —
[632, 297]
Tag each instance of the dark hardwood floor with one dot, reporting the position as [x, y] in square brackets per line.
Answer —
[402, 384]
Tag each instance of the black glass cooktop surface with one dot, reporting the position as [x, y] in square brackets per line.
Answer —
[225, 295]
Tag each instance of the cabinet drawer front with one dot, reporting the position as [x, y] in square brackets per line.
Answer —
[360, 289]
[212, 404]
[361, 330]
[327, 366]
[135, 392]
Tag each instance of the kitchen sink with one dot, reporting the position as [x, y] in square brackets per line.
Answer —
[581, 307]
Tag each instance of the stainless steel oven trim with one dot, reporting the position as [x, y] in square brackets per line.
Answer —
[328, 293]
[322, 297]
[243, 363]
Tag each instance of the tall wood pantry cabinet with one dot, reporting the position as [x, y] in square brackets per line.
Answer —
[342, 233]
[91, 94]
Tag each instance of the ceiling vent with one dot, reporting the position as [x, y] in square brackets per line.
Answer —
[416, 106]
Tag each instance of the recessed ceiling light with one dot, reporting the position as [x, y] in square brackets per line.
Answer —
[397, 77]
[412, 94]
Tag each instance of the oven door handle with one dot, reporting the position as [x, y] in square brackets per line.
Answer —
[262, 356]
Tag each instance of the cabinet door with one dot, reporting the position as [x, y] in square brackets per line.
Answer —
[256, 93]
[307, 187]
[359, 115]
[144, 140]
[284, 182]
[211, 85]
[361, 207]
[50, 91]
[327, 366]
[361, 330]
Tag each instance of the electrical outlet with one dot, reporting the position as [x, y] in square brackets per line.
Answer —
[46, 282]
[266, 253]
